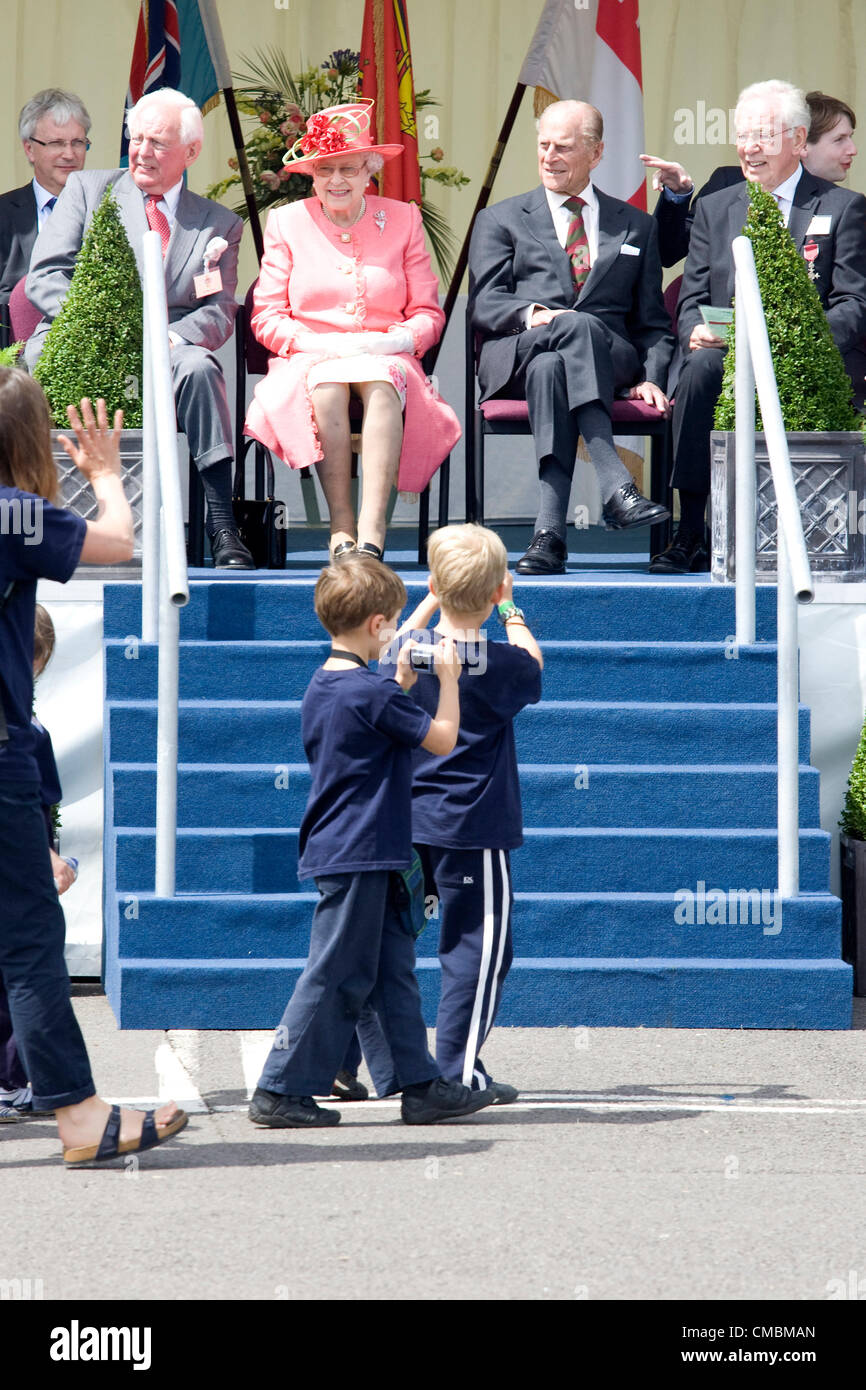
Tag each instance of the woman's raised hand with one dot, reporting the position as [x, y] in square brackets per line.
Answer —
[98, 449]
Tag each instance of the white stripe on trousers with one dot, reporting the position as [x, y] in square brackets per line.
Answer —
[473, 1042]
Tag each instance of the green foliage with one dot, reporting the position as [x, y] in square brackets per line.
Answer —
[814, 388]
[94, 346]
[9, 355]
[853, 818]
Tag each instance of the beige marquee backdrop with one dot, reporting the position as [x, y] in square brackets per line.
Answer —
[696, 56]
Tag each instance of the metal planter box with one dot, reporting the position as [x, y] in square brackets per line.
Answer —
[77, 494]
[830, 478]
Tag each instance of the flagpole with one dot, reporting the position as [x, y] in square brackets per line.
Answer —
[219, 58]
[483, 199]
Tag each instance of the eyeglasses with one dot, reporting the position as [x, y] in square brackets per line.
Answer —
[58, 146]
[764, 135]
[158, 146]
[346, 171]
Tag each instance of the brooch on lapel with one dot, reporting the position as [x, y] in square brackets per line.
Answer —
[211, 282]
[380, 219]
[810, 253]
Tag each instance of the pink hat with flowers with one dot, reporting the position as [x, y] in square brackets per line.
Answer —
[337, 130]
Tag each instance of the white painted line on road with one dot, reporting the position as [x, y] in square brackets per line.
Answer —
[175, 1082]
[254, 1050]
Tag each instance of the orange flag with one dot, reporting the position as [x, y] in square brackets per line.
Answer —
[386, 76]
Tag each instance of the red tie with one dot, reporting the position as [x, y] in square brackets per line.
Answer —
[576, 243]
[158, 222]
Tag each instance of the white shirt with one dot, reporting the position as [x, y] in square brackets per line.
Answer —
[42, 197]
[784, 194]
[562, 221]
[167, 204]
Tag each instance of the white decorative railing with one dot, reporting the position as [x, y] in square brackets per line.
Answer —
[164, 579]
[754, 367]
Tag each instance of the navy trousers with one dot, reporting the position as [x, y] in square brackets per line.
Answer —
[32, 933]
[360, 953]
[473, 888]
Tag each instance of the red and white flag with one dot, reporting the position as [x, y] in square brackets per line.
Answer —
[590, 51]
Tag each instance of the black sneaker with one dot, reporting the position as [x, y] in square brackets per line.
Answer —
[347, 1087]
[503, 1094]
[289, 1112]
[686, 554]
[443, 1100]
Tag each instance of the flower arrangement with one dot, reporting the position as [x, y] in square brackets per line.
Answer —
[280, 102]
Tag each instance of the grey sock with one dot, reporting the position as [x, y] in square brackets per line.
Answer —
[595, 426]
[555, 489]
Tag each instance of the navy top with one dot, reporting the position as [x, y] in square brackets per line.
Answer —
[358, 729]
[37, 541]
[470, 799]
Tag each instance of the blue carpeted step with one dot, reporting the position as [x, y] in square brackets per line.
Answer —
[556, 859]
[551, 731]
[256, 794]
[544, 924]
[657, 671]
[558, 609]
[628, 992]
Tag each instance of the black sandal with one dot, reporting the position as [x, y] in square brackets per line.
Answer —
[110, 1146]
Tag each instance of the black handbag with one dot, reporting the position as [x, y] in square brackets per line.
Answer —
[262, 521]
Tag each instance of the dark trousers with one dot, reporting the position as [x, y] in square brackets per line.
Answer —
[360, 952]
[698, 390]
[32, 933]
[564, 364]
[12, 1074]
[473, 888]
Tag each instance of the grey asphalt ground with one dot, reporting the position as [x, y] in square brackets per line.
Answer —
[640, 1164]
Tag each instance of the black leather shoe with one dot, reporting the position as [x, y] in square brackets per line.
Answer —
[347, 1087]
[229, 552]
[442, 1100]
[686, 554]
[547, 554]
[276, 1111]
[628, 507]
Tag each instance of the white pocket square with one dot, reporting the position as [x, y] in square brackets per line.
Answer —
[820, 225]
[626, 250]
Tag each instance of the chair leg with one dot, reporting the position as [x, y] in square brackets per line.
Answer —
[444, 490]
[423, 524]
[660, 490]
[195, 530]
[479, 468]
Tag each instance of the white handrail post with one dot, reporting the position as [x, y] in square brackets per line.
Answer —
[166, 735]
[746, 486]
[788, 736]
[150, 500]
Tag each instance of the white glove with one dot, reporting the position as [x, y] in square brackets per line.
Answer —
[390, 343]
[331, 344]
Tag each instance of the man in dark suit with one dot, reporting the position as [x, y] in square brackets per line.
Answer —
[165, 130]
[565, 291]
[53, 127]
[772, 120]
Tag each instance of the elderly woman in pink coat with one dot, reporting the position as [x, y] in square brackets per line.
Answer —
[347, 302]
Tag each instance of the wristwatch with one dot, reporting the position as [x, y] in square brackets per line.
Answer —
[508, 610]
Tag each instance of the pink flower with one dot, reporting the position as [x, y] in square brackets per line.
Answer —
[322, 137]
[438, 154]
[264, 117]
[270, 179]
[233, 164]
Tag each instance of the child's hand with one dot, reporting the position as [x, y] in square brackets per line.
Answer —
[404, 675]
[508, 587]
[98, 451]
[447, 661]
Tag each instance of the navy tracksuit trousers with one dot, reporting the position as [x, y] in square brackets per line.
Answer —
[473, 888]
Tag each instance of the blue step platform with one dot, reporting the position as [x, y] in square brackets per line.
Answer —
[645, 890]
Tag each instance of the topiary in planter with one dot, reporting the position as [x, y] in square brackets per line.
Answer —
[853, 818]
[814, 388]
[94, 346]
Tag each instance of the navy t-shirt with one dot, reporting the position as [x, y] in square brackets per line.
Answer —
[358, 729]
[470, 799]
[37, 541]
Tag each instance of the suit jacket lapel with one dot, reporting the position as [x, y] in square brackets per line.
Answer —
[130, 201]
[540, 223]
[805, 201]
[737, 214]
[612, 232]
[184, 235]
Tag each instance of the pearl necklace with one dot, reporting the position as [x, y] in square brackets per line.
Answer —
[343, 225]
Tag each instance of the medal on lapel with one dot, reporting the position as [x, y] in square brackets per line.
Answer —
[810, 253]
[211, 281]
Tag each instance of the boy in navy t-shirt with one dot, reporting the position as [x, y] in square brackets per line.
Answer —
[466, 813]
[359, 728]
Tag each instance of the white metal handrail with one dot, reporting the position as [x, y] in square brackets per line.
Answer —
[754, 367]
[164, 578]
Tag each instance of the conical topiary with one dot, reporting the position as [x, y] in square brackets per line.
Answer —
[814, 388]
[853, 818]
[94, 346]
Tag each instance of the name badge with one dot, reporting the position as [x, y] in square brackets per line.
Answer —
[626, 250]
[820, 225]
[209, 283]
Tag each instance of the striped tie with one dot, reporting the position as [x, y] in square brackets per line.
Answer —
[157, 222]
[576, 243]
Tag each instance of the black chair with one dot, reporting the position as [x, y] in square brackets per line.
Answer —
[511, 417]
[252, 359]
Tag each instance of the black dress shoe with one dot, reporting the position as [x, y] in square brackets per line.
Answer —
[229, 552]
[628, 507]
[686, 554]
[547, 554]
